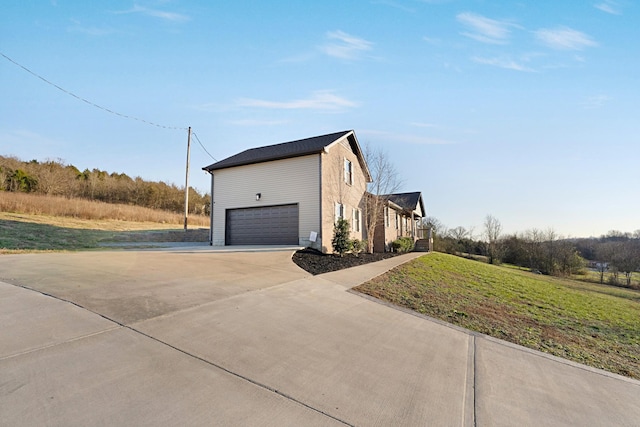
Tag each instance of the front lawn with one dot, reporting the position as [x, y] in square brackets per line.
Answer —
[596, 325]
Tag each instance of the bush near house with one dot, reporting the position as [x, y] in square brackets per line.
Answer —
[403, 245]
[341, 243]
[358, 246]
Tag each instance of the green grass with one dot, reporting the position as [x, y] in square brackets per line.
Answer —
[593, 324]
[31, 233]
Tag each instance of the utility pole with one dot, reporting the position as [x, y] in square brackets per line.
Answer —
[186, 181]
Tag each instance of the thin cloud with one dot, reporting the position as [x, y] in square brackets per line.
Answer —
[395, 4]
[564, 38]
[506, 63]
[77, 27]
[296, 59]
[155, 13]
[405, 138]
[422, 125]
[26, 137]
[485, 30]
[252, 122]
[345, 46]
[432, 41]
[596, 101]
[608, 6]
[319, 100]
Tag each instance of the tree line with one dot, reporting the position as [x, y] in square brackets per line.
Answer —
[615, 254]
[55, 178]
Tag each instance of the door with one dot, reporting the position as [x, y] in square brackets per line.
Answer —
[268, 225]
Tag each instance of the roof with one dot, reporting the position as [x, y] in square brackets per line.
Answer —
[285, 150]
[407, 201]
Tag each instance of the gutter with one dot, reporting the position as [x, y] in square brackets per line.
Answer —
[211, 211]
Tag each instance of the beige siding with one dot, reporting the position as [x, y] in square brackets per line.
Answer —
[279, 182]
[336, 190]
[399, 225]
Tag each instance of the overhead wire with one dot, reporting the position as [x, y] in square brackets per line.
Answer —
[201, 145]
[93, 104]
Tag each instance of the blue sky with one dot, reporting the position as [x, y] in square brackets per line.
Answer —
[528, 111]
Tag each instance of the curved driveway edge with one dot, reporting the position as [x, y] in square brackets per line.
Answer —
[198, 337]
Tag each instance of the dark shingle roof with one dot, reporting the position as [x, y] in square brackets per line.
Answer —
[407, 201]
[284, 150]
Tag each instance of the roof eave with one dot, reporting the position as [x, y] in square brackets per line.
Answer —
[358, 151]
[255, 162]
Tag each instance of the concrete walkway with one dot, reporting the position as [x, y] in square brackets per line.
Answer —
[195, 336]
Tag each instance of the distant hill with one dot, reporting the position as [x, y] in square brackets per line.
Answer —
[55, 178]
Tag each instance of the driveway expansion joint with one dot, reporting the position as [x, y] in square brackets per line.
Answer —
[121, 325]
[67, 341]
[242, 377]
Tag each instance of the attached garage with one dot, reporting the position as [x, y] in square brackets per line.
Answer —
[268, 225]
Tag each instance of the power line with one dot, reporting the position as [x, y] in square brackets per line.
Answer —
[205, 150]
[87, 101]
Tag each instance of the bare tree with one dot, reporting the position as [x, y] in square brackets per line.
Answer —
[435, 225]
[459, 233]
[492, 231]
[534, 239]
[627, 258]
[384, 181]
[439, 232]
[469, 241]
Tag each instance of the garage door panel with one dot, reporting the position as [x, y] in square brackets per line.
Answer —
[268, 225]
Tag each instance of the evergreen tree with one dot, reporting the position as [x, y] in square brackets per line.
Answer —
[341, 243]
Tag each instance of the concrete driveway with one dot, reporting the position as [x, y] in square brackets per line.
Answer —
[193, 336]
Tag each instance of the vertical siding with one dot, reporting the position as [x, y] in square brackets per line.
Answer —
[279, 182]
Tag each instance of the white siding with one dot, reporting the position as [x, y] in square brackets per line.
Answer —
[279, 182]
[418, 209]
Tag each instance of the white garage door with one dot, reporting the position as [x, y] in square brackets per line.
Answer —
[269, 225]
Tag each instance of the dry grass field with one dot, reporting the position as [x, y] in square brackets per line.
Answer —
[36, 223]
[53, 206]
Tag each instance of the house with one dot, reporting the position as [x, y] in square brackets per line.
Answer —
[400, 217]
[292, 193]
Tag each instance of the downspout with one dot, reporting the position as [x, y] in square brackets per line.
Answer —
[211, 213]
[320, 234]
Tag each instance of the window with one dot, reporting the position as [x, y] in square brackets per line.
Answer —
[339, 211]
[348, 172]
[397, 221]
[386, 216]
[355, 223]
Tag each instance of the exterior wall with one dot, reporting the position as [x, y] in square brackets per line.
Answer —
[418, 211]
[279, 182]
[390, 233]
[336, 190]
[400, 225]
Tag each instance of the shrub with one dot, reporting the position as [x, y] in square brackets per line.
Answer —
[341, 243]
[358, 246]
[403, 245]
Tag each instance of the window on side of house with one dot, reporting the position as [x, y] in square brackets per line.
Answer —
[348, 172]
[397, 221]
[386, 216]
[339, 211]
[355, 223]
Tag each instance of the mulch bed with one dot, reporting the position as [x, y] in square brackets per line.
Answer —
[315, 262]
